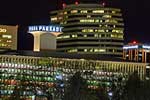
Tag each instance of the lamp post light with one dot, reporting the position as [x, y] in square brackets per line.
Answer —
[110, 94]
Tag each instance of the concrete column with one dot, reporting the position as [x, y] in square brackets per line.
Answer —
[36, 41]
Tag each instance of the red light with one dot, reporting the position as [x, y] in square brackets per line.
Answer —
[103, 4]
[64, 5]
[134, 42]
[76, 3]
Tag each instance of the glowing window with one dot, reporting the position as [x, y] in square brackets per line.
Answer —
[117, 31]
[111, 21]
[107, 16]
[88, 16]
[101, 30]
[87, 30]
[87, 20]
[53, 18]
[85, 50]
[74, 36]
[113, 12]
[83, 11]
[98, 11]
[65, 12]
[7, 36]
[74, 11]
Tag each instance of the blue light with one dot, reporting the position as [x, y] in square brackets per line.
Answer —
[49, 28]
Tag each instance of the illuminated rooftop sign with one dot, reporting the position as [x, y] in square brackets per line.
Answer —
[49, 28]
[130, 47]
[146, 47]
[2, 30]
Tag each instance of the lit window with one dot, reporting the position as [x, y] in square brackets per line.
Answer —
[9, 41]
[83, 11]
[73, 50]
[84, 35]
[116, 36]
[7, 36]
[53, 18]
[85, 50]
[113, 12]
[107, 16]
[96, 20]
[87, 20]
[99, 50]
[111, 21]
[74, 36]
[65, 12]
[74, 11]
[63, 37]
[107, 30]
[98, 11]
[60, 18]
[117, 31]
[87, 30]
[88, 16]
[96, 35]
[101, 30]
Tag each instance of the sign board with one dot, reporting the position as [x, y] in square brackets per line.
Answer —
[49, 28]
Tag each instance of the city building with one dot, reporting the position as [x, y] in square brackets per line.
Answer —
[137, 52]
[90, 29]
[44, 36]
[8, 37]
[31, 73]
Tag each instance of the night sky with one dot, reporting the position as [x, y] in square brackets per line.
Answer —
[136, 15]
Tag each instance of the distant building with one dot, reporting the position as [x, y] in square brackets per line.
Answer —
[32, 72]
[44, 36]
[137, 52]
[90, 29]
[8, 37]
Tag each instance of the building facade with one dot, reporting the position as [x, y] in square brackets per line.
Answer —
[8, 37]
[30, 75]
[137, 52]
[90, 29]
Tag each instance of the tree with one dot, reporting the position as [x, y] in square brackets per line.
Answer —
[133, 88]
[102, 93]
[77, 89]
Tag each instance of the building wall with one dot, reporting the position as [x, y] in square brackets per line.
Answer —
[41, 71]
[47, 41]
[8, 37]
[90, 28]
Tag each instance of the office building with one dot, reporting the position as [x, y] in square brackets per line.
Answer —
[137, 52]
[8, 37]
[90, 29]
[32, 73]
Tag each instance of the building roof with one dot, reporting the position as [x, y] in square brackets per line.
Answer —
[65, 55]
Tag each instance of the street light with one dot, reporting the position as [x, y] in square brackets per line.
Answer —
[110, 94]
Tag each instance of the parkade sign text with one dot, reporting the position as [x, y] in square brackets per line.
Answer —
[49, 28]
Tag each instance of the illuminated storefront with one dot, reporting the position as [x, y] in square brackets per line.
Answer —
[33, 72]
[8, 37]
[44, 36]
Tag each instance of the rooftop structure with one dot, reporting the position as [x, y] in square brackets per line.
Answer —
[137, 52]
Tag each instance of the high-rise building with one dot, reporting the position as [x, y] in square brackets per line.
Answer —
[8, 37]
[89, 29]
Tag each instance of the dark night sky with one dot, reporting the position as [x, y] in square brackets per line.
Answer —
[30, 12]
